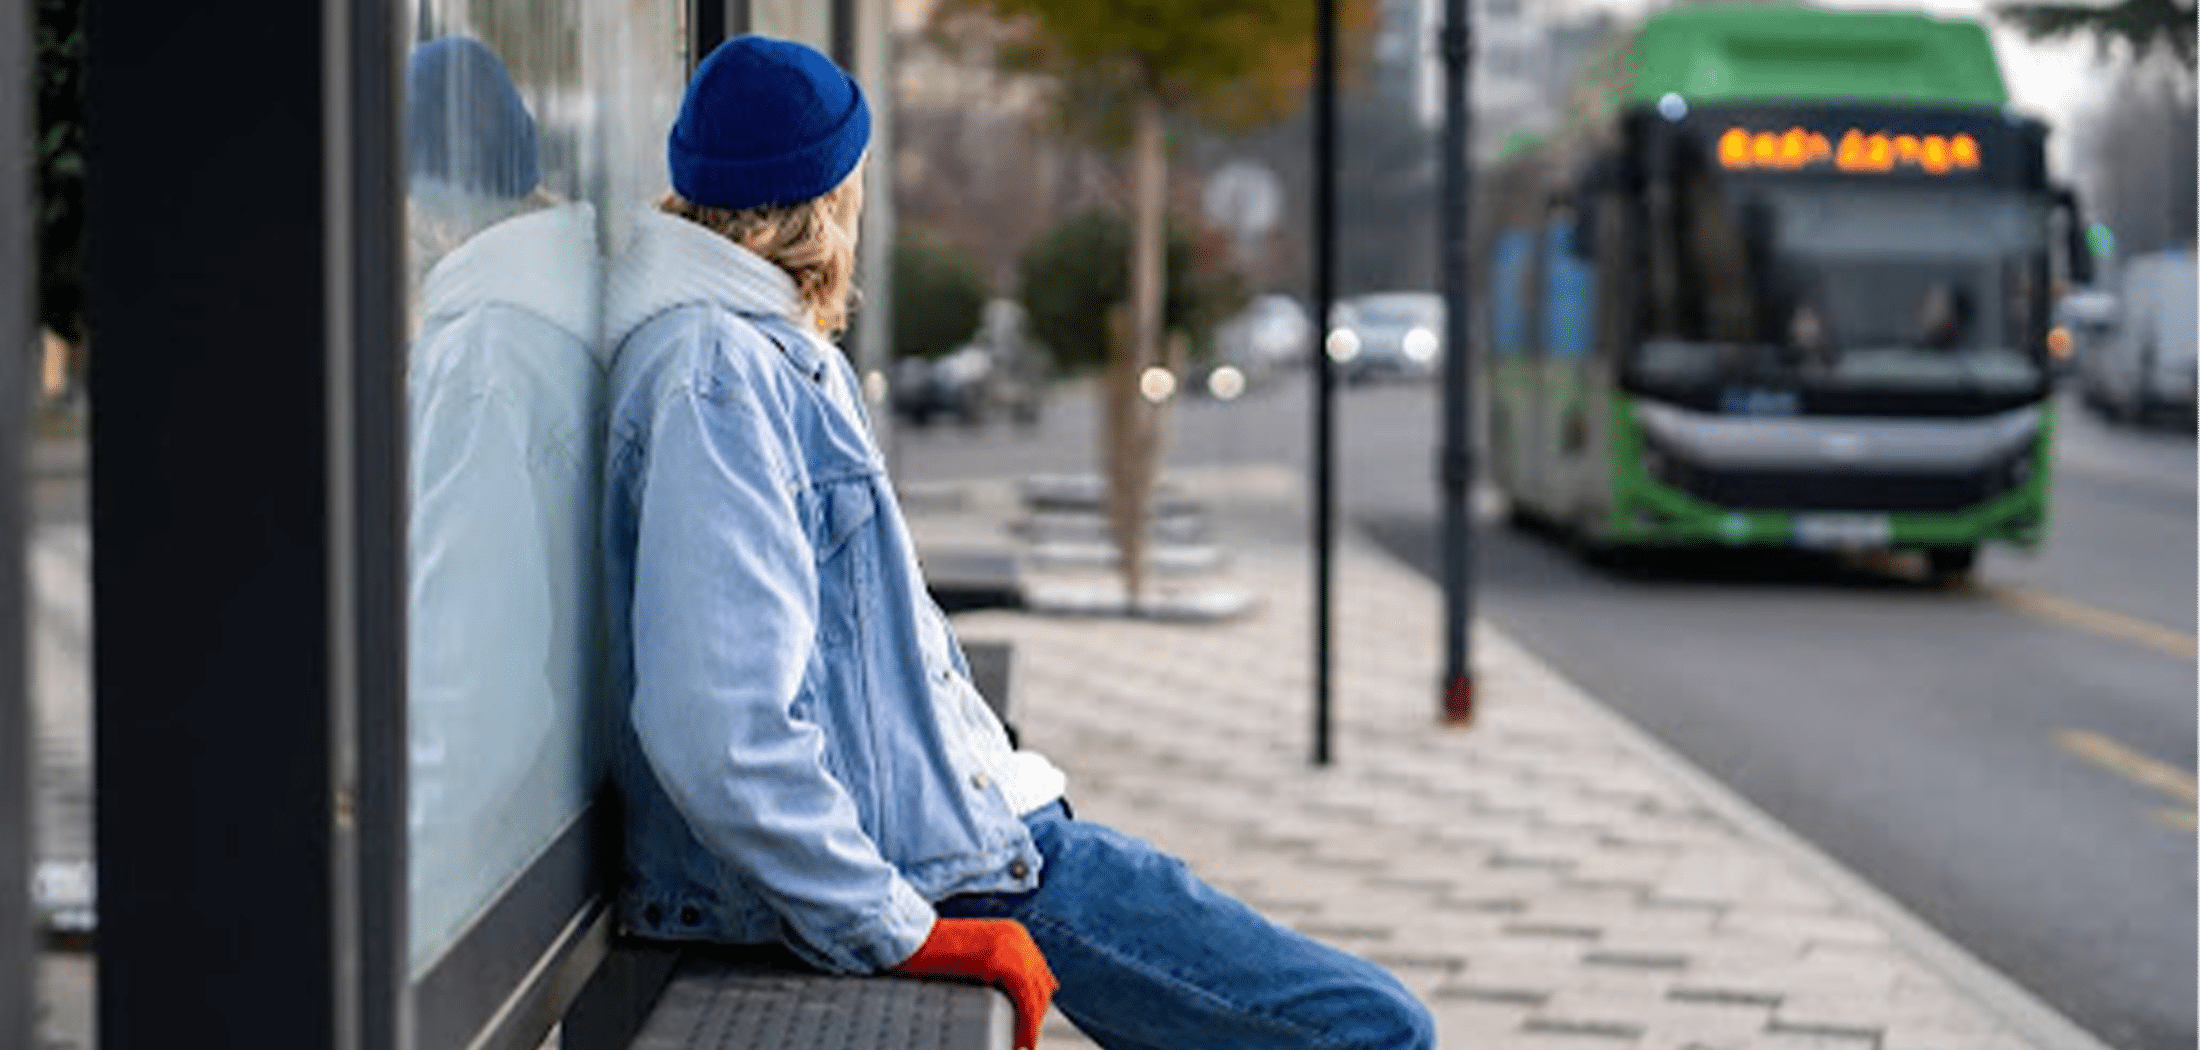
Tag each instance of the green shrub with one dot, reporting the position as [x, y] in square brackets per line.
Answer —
[1079, 270]
[939, 295]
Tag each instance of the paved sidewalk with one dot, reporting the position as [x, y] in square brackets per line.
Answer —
[1549, 877]
[60, 651]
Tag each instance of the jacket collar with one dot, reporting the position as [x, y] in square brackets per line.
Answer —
[544, 262]
[673, 262]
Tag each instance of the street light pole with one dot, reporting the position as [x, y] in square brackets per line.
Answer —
[1325, 276]
[1456, 469]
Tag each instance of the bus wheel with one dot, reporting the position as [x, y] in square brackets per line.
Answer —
[1951, 564]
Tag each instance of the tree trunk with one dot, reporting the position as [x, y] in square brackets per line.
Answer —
[1134, 446]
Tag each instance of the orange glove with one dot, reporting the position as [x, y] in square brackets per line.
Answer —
[996, 951]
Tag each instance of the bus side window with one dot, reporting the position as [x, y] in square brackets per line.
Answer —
[1509, 294]
[1569, 291]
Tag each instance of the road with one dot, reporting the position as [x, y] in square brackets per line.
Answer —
[2013, 760]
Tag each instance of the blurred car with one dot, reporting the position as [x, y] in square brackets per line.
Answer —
[1387, 335]
[999, 372]
[1270, 336]
[2147, 364]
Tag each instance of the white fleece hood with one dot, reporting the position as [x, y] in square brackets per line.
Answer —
[672, 262]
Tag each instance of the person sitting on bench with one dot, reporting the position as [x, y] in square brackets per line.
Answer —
[802, 757]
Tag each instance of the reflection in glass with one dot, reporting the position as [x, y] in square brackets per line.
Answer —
[504, 386]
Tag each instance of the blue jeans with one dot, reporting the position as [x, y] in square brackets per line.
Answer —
[1151, 958]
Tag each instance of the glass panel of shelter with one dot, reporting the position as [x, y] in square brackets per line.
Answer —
[533, 136]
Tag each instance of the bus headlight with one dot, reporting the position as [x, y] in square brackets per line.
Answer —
[1420, 344]
[1344, 344]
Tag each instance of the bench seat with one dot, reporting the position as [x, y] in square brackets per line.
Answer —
[712, 1004]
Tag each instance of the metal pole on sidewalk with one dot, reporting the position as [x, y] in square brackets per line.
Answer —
[1325, 238]
[1456, 471]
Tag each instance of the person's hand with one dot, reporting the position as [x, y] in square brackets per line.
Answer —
[996, 951]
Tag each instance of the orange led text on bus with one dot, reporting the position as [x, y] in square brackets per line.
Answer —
[1797, 149]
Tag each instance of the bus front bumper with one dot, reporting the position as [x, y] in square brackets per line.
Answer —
[1648, 512]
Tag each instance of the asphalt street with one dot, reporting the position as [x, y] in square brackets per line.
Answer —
[2012, 760]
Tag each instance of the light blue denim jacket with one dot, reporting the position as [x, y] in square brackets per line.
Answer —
[801, 754]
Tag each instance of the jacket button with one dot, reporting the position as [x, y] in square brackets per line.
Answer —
[654, 914]
[691, 916]
[980, 781]
[1018, 869]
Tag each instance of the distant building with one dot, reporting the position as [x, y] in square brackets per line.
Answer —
[1527, 56]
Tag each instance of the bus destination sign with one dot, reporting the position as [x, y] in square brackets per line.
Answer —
[1855, 152]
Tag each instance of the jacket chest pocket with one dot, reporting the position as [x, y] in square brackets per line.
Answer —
[845, 548]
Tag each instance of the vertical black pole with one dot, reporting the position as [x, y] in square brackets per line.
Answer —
[1457, 467]
[1325, 278]
[246, 513]
[713, 22]
[706, 29]
[369, 490]
[844, 34]
[17, 986]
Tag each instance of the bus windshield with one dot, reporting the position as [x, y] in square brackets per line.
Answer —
[1840, 287]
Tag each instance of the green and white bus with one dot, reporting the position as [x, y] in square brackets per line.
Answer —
[1789, 283]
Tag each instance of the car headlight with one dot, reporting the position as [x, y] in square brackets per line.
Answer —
[1226, 383]
[1157, 384]
[1420, 344]
[1344, 344]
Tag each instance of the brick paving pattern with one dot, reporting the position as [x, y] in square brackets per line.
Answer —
[1539, 879]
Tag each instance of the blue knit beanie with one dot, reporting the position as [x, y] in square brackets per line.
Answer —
[766, 122]
[464, 122]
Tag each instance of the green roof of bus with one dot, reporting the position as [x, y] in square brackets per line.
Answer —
[1776, 52]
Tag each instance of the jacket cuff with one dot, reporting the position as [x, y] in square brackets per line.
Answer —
[881, 940]
[906, 924]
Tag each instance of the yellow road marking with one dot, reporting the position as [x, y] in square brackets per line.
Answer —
[2115, 757]
[2099, 621]
[2180, 819]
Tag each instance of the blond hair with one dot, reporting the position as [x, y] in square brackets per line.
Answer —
[814, 241]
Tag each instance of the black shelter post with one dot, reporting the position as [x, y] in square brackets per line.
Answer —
[368, 487]
[1456, 463]
[244, 263]
[18, 986]
[1325, 288]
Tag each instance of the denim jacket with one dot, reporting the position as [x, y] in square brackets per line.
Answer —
[802, 754]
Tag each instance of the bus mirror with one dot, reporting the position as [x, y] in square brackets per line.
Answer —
[2079, 253]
